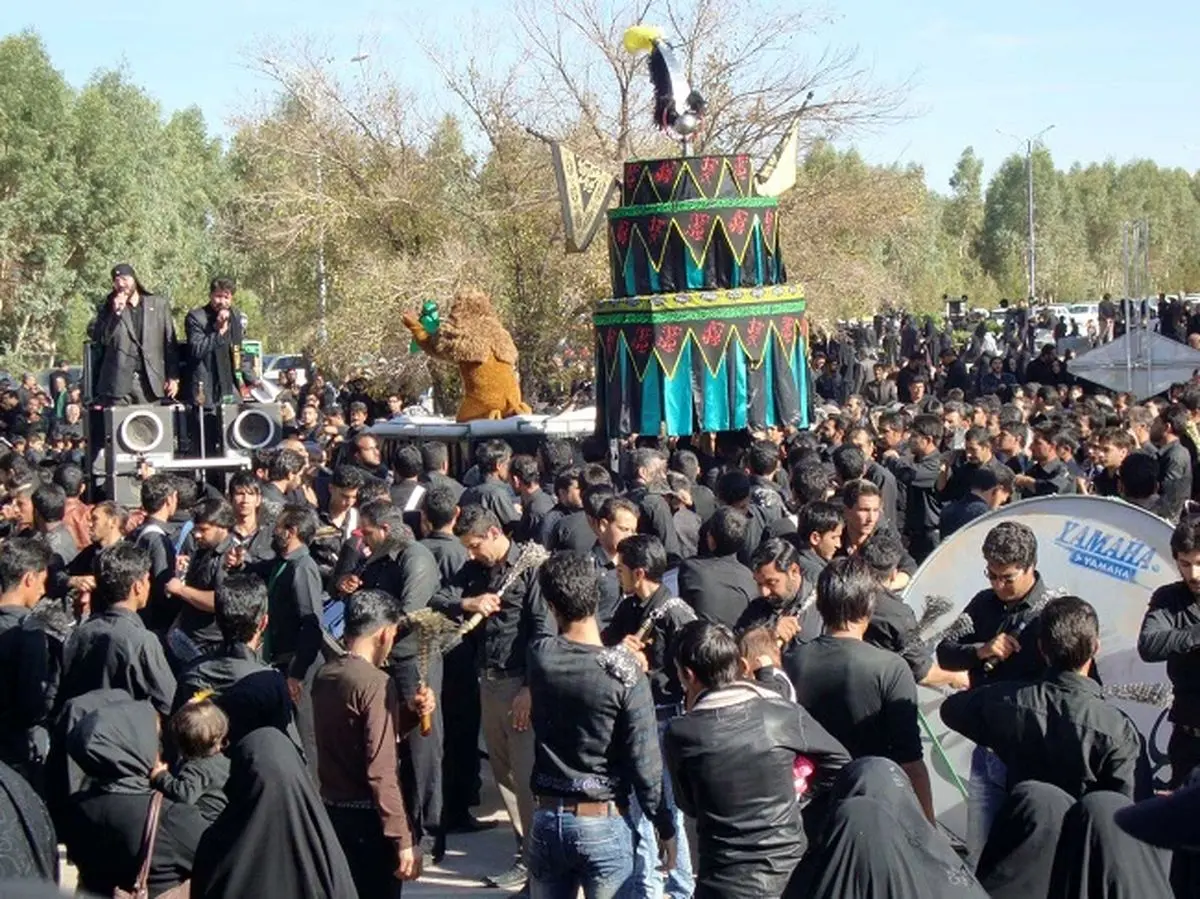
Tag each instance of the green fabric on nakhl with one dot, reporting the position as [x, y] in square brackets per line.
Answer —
[430, 319]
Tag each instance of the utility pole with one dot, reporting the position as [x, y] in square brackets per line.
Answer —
[1030, 142]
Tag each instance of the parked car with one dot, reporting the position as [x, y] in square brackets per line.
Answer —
[273, 364]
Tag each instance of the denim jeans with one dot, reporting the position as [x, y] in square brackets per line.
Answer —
[567, 852]
[986, 792]
[679, 883]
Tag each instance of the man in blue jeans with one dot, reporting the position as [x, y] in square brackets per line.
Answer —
[595, 743]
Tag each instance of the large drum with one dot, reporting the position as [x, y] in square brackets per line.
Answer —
[1108, 552]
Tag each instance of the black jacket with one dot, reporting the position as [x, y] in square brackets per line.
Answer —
[984, 617]
[595, 734]
[1171, 633]
[296, 603]
[251, 693]
[448, 552]
[656, 519]
[534, 509]
[113, 650]
[960, 513]
[923, 508]
[211, 355]
[666, 616]
[572, 532]
[717, 588]
[25, 671]
[731, 761]
[1059, 730]
[495, 496]
[117, 348]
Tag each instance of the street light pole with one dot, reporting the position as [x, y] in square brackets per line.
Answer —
[1029, 144]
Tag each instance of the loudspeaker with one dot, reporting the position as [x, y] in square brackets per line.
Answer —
[133, 435]
[246, 427]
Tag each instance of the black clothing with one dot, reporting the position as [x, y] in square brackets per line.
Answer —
[134, 351]
[984, 617]
[667, 615]
[655, 519]
[572, 532]
[610, 586]
[507, 634]
[704, 502]
[1174, 477]
[1171, 633]
[116, 746]
[113, 650]
[251, 693]
[595, 733]
[161, 610]
[206, 571]
[1051, 477]
[958, 514]
[894, 627]
[1106, 483]
[448, 552]
[731, 760]
[213, 355]
[864, 696]
[886, 482]
[29, 850]
[497, 497]
[437, 479]
[923, 505]
[296, 604]
[534, 509]
[28, 694]
[718, 588]
[1059, 730]
[766, 611]
[1019, 855]
[63, 550]
[274, 838]
[879, 845]
[198, 782]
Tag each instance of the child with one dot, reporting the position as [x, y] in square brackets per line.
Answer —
[201, 730]
[762, 663]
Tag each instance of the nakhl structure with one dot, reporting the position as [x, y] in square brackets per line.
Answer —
[702, 331]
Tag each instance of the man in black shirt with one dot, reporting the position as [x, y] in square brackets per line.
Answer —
[106, 527]
[1174, 460]
[160, 499]
[990, 488]
[296, 604]
[113, 649]
[195, 630]
[512, 618]
[717, 586]
[865, 697]
[26, 669]
[1171, 633]
[783, 589]
[252, 530]
[595, 744]
[647, 623]
[616, 519]
[536, 503]
[820, 535]
[569, 497]
[1058, 730]
[493, 457]
[49, 505]
[214, 338]
[1047, 475]
[731, 760]
[649, 468]
[1115, 445]
[435, 459]
[919, 479]
[995, 639]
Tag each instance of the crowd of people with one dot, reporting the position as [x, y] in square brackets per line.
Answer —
[693, 675]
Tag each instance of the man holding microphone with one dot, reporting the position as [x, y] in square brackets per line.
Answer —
[214, 336]
[133, 338]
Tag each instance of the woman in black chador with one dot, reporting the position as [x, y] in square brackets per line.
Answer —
[274, 838]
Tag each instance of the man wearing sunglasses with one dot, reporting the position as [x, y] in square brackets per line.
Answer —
[996, 639]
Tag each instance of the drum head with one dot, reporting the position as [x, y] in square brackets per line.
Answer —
[1105, 551]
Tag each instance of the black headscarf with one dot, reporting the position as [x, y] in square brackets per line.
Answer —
[877, 844]
[28, 848]
[1096, 858]
[116, 746]
[1017, 861]
[274, 838]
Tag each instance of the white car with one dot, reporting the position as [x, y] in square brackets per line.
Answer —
[274, 364]
[1083, 313]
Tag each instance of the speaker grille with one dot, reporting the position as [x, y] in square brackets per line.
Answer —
[252, 430]
[140, 432]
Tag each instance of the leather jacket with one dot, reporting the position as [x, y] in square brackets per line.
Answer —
[731, 760]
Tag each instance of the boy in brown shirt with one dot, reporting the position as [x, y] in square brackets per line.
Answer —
[358, 720]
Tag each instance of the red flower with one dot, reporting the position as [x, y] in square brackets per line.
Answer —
[664, 172]
[738, 222]
[610, 342]
[768, 221]
[697, 228]
[631, 176]
[787, 327]
[713, 332]
[668, 338]
[643, 339]
[621, 233]
[708, 168]
[741, 167]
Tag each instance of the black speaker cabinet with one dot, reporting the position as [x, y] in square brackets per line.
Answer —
[133, 435]
[246, 427]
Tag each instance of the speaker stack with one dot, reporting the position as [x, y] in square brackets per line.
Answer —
[134, 435]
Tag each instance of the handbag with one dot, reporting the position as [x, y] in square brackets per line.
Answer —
[141, 886]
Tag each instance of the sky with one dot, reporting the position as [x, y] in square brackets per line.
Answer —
[1115, 79]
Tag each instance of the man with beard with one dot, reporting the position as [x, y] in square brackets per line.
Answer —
[1047, 475]
[407, 571]
[107, 527]
[649, 468]
[512, 620]
[214, 335]
[1170, 633]
[195, 631]
[919, 480]
[996, 639]
[782, 590]
[296, 604]
[133, 339]
[976, 453]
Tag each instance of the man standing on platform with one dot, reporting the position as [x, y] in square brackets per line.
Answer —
[214, 336]
[133, 340]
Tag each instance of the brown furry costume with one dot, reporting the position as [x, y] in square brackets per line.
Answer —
[473, 337]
